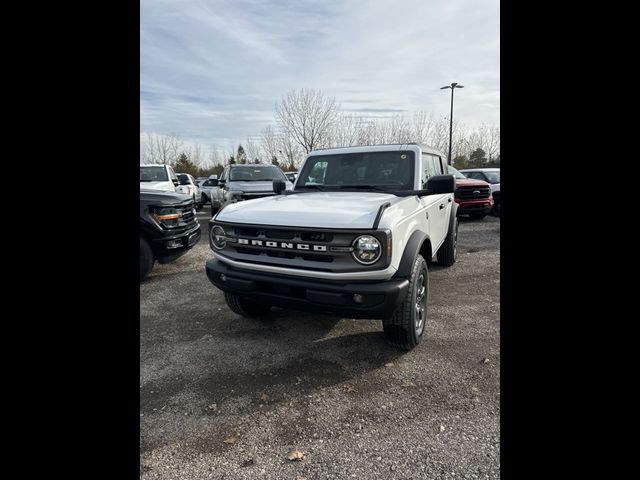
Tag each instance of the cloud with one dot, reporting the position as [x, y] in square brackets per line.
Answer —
[212, 71]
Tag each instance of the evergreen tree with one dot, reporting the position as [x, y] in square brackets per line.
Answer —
[242, 155]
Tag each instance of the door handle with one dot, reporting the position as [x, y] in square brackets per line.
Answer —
[441, 206]
[449, 200]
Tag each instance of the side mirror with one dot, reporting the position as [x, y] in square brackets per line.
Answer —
[279, 186]
[176, 183]
[213, 182]
[221, 183]
[441, 184]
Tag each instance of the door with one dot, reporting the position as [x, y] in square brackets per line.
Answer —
[438, 206]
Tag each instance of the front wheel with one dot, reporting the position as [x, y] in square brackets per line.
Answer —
[404, 329]
[245, 306]
[146, 258]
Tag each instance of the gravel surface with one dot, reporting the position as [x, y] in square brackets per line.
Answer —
[329, 388]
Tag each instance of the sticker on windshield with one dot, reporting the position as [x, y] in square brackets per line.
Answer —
[403, 156]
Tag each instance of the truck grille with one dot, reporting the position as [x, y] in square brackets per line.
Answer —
[311, 249]
[472, 193]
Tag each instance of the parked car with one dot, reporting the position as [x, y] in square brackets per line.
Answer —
[472, 196]
[245, 182]
[209, 187]
[168, 227]
[158, 177]
[352, 239]
[189, 187]
[490, 175]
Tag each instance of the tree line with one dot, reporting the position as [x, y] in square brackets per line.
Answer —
[307, 120]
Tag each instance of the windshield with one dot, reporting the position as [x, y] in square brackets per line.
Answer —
[255, 174]
[392, 170]
[153, 174]
[493, 176]
[454, 172]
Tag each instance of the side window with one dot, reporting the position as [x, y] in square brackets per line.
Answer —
[224, 174]
[430, 167]
[476, 175]
[172, 174]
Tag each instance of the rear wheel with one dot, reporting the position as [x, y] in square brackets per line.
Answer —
[404, 329]
[146, 258]
[246, 306]
[448, 251]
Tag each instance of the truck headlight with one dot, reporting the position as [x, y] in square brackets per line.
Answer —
[166, 217]
[366, 249]
[218, 237]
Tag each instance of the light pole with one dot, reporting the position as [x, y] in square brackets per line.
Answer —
[452, 87]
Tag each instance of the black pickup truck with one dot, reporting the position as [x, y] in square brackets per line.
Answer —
[168, 227]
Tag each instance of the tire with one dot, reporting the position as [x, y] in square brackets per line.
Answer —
[405, 328]
[448, 251]
[214, 208]
[146, 258]
[477, 216]
[245, 306]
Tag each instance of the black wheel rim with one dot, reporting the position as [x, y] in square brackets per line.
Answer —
[421, 303]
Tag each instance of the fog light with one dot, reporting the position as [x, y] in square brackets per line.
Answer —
[358, 298]
[174, 243]
[223, 277]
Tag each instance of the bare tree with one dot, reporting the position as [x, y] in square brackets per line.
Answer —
[163, 149]
[253, 151]
[307, 116]
[270, 142]
[345, 131]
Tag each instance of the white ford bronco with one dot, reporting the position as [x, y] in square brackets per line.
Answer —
[353, 238]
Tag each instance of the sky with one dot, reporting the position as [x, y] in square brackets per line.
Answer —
[212, 71]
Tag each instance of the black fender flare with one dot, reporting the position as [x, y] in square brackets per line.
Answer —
[412, 249]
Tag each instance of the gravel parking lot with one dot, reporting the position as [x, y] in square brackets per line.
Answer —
[329, 388]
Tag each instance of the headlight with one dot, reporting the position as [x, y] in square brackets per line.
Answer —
[218, 237]
[166, 217]
[366, 249]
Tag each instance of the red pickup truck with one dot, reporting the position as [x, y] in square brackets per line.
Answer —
[472, 196]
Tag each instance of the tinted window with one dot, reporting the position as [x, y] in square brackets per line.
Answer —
[393, 169]
[255, 174]
[430, 167]
[183, 178]
[493, 177]
[153, 174]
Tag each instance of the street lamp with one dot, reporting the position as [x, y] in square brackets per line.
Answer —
[452, 87]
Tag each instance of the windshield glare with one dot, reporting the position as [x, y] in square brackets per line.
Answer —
[454, 172]
[255, 174]
[393, 169]
[493, 177]
[153, 174]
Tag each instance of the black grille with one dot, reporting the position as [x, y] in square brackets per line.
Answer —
[188, 214]
[472, 193]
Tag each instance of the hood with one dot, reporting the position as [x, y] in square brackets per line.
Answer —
[251, 187]
[470, 182]
[160, 198]
[315, 209]
[166, 186]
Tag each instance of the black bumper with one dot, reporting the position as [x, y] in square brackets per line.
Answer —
[472, 209]
[185, 240]
[379, 298]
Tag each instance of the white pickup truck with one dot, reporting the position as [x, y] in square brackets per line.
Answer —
[353, 238]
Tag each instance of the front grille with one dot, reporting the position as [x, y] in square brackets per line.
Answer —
[188, 214]
[472, 193]
[304, 248]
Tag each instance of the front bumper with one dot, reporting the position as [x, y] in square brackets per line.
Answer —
[167, 249]
[379, 298]
[466, 207]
